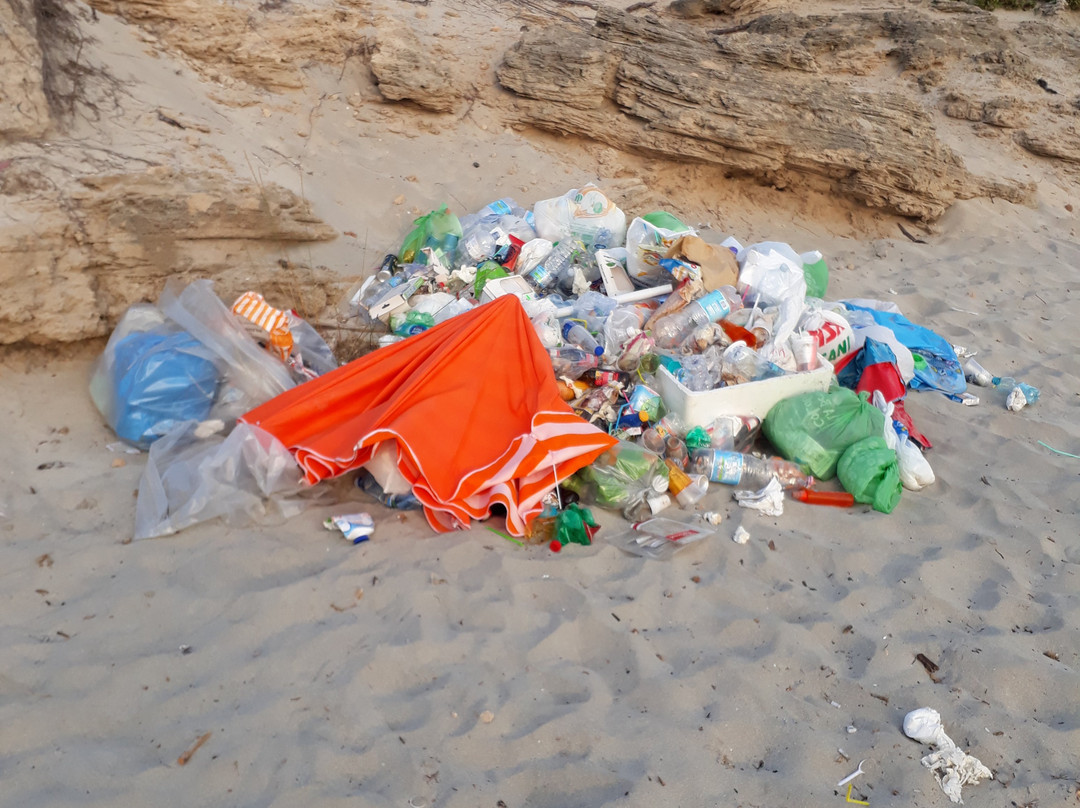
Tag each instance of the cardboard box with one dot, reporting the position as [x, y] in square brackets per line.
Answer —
[751, 398]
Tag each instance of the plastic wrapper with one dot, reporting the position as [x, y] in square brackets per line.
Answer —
[660, 538]
[814, 429]
[246, 477]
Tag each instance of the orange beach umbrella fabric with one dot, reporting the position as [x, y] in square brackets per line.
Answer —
[471, 406]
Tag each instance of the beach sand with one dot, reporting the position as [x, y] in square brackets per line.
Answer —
[463, 670]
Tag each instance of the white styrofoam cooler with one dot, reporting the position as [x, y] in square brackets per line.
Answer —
[751, 398]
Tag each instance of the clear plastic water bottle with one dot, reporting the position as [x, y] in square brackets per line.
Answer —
[577, 334]
[1020, 394]
[694, 374]
[733, 433]
[746, 471]
[670, 331]
[545, 274]
[571, 362]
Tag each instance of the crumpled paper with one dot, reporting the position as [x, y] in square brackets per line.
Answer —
[952, 766]
[769, 500]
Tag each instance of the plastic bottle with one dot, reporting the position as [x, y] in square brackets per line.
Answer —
[671, 330]
[1020, 394]
[733, 433]
[746, 471]
[571, 362]
[577, 334]
[598, 378]
[479, 243]
[694, 374]
[545, 274]
[737, 333]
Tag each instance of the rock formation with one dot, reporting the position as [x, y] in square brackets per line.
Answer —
[77, 256]
[778, 98]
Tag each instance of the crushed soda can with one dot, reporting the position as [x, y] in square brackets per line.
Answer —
[356, 527]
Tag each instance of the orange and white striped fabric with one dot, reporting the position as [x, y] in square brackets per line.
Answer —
[254, 308]
[469, 409]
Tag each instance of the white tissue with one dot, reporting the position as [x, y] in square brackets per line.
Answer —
[769, 500]
[952, 767]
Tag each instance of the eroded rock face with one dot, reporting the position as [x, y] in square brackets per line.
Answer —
[24, 110]
[265, 44]
[407, 69]
[75, 259]
[771, 101]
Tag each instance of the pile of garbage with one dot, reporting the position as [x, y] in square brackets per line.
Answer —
[535, 362]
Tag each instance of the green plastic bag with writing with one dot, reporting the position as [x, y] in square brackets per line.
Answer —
[814, 429]
[870, 472]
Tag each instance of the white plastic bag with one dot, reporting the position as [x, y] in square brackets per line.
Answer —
[771, 274]
[532, 253]
[915, 471]
[646, 244]
[585, 214]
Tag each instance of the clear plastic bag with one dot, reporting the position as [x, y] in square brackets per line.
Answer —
[189, 478]
[647, 243]
[252, 376]
[623, 474]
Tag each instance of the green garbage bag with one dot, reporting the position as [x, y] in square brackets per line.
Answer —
[487, 271]
[439, 229]
[814, 429]
[870, 472]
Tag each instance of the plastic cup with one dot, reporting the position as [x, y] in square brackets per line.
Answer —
[804, 346]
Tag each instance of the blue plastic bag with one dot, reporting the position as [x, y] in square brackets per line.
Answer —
[940, 370]
[159, 379]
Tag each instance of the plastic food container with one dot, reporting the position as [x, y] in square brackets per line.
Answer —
[751, 398]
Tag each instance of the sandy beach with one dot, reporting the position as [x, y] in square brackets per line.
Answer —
[464, 670]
